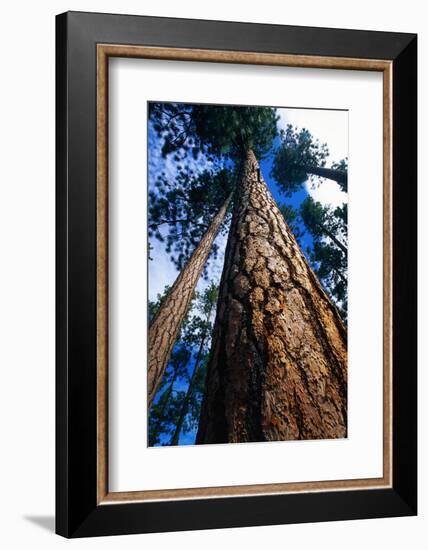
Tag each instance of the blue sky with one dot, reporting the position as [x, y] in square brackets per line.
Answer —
[329, 127]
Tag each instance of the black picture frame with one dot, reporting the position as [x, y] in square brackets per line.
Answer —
[77, 511]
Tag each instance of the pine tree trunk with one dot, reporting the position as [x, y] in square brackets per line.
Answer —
[336, 241]
[278, 363]
[166, 324]
[340, 176]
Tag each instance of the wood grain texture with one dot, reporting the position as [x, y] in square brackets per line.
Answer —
[387, 275]
[102, 275]
[246, 58]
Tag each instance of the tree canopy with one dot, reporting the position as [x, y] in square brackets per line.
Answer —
[298, 151]
[300, 158]
[329, 254]
[231, 130]
[219, 130]
[181, 209]
[215, 137]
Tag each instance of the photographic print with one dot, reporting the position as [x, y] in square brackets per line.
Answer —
[229, 294]
[247, 224]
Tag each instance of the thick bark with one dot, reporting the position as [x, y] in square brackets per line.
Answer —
[341, 176]
[278, 363]
[166, 324]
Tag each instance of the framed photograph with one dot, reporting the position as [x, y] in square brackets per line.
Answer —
[236, 274]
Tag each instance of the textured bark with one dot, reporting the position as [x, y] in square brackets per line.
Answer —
[164, 328]
[278, 363]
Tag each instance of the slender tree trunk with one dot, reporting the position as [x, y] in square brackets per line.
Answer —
[278, 362]
[185, 405]
[336, 241]
[165, 400]
[341, 176]
[184, 408]
[341, 276]
[167, 321]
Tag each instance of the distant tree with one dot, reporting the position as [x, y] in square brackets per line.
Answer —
[292, 217]
[324, 221]
[341, 167]
[173, 121]
[301, 157]
[154, 306]
[329, 228]
[176, 369]
[161, 413]
[199, 337]
[177, 404]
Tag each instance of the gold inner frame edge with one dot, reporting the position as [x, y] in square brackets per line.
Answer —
[104, 51]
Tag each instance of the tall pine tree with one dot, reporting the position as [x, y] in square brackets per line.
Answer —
[278, 363]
